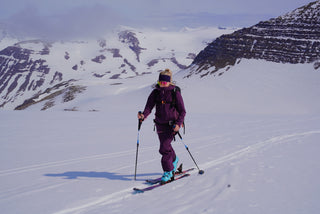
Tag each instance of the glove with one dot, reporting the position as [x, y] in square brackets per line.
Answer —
[140, 116]
[176, 128]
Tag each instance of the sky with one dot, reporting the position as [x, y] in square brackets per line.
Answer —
[62, 19]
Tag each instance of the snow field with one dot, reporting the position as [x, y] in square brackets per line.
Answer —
[254, 130]
[83, 162]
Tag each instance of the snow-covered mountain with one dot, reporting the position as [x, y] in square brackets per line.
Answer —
[81, 75]
[36, 70]
[292, 38]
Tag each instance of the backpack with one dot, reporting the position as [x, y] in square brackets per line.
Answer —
[173, 103]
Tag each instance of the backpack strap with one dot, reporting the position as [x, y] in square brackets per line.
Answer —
[174, 102]
[174, 96]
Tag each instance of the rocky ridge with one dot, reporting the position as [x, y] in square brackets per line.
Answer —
[291, 38]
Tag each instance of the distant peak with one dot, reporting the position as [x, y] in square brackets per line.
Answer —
[292, 38]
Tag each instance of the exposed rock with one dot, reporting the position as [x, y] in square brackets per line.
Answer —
[172, 59]
[69, 93]
[115, 52]
[66, 56]
[102, 43]
[130, 65]
[17, 65]
[99, 59]
[56, 78]
[75, 67]
[116, 76]
[292, 38]
[130, 38]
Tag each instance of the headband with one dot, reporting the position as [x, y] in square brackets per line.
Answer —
[164, 78]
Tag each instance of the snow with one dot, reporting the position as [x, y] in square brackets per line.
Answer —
[64, 56]
[83, 162]
[254, 128]
[255, 132]
[258, 87]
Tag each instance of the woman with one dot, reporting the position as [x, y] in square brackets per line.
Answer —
[169, 117]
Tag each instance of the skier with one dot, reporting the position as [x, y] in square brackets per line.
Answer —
[169, 117]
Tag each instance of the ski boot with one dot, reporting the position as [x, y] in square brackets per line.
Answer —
[175, 164]
[167, 177]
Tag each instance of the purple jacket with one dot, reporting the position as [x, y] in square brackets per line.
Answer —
[162, 98]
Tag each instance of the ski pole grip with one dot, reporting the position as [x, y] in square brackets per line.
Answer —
[140, 120]
[140, 113]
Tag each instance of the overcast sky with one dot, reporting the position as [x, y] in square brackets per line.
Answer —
[85, 18]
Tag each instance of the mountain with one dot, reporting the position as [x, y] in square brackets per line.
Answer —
[80, 75]
[33, 71]
[292, 38]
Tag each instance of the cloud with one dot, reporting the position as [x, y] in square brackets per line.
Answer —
[76, 23]
[66, 19]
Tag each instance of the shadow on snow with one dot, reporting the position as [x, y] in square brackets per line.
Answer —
[108, 175]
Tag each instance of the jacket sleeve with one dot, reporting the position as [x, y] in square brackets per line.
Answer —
[151, 102]
[180, 108]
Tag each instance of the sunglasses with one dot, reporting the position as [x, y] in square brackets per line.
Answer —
[163, 82]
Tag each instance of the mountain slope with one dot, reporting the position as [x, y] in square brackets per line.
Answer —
[292, 38]
[35, 70]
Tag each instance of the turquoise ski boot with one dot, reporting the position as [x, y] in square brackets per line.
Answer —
[166, 177]
[175, 164]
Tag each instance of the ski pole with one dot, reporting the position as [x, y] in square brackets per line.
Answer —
[200, 170]
[139, 126]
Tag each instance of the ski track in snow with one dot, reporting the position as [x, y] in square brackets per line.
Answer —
[258, 146]
[27, 190]
[105, 200]
[68, 162]
[280, 134]
[237, 155]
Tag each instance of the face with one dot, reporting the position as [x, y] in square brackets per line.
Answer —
[163, 84]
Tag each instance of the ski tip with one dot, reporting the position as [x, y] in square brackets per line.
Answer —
[136, 190]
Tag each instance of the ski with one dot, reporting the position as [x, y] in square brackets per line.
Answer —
[142, 190]
[178, 172]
